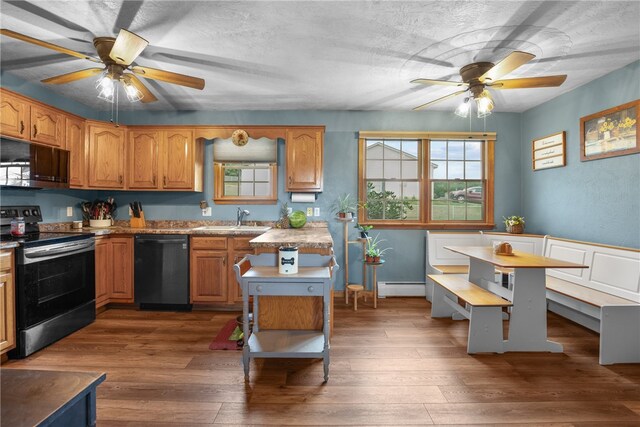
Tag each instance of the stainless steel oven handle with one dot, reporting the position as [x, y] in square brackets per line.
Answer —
[66, 249]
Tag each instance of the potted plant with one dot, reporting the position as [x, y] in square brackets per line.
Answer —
[344, 206]
[364, 230]
[514, 224]
[373, 251]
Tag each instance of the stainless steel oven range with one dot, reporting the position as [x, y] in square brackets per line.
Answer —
[55, 281]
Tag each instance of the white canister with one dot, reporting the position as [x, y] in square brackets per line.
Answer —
[288, 260]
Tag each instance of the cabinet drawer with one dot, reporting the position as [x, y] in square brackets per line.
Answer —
[5, 261]
[287, 289]
[208, 243]
[242, 244]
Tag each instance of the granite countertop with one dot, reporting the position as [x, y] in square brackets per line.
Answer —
[307, 237]
[9, 245]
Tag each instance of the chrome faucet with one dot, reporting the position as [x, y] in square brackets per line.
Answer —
[240, 216]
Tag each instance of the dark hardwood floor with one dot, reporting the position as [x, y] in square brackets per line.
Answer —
[390, 366]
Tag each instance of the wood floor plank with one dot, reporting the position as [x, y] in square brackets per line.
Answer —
[315, 414]
[157, 411]
[173, 391]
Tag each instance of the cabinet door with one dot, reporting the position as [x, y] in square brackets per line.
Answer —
[304, 148]
[122, 279]
[104, 263]
[208, 276]
[7, 303]
[106, 157]
[47, 126]
[14, 116]
[178, 152]
[74, 131]
[143, 159]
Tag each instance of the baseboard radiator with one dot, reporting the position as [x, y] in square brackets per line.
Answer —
[401, 289]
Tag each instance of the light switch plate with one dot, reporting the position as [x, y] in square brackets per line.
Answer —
[316, 211]
[309, 211]
[206, 211]
[69, 211]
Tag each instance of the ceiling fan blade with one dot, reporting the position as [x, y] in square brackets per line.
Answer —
[72, 77]
[147, 96]
[511, 62]
[438, 82]
[527, 82]
[169, 77]
[52, 46]
[451, 95]
[127, 47]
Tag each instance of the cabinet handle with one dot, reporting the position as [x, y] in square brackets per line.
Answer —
[289, 180]
[259, 288]
[120, 179]
[164, 180]
[310, 288]
[154, 180]
[35, 130]
[21, 127]
[224, 261]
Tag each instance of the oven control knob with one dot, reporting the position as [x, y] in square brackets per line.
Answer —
[35, 212]
[26, 212]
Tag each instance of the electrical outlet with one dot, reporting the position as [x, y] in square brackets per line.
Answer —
[206, 211]
[309, 211]
[289, 211]
[316, 211]
[69, 211]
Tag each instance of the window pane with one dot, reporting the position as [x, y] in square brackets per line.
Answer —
[456, 170]
[263, 174]
[391, 169]
[411, 189]
[472, 170]
[375, 149]
[246, 189]
[438, 170]
[230, 189]
[439, 190]
[393, 189]
[246, 175]
[457, 211]
[439, 210]
[409, 150]
[410, 169]
[263, 189]
[374, 169]
[438, 150]
[473, 150]
[392, 149]
[455, 150]
[375, 200]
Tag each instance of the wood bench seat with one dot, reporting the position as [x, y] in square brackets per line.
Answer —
[584, 294]
[452, 269]
[484, 313]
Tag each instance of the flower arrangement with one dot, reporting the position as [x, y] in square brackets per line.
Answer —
[514, 224]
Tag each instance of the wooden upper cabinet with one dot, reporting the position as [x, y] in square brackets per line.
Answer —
[179, 166]
[14, 116]
[75, 143]
[106, 156]
[143, 159]
[47, 126]
[304, 159]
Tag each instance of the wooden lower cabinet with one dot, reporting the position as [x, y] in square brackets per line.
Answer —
[7, 302]
[211, 268]
[114, 270]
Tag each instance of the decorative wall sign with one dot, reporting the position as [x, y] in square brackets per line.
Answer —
[549, 152]
[610, 132]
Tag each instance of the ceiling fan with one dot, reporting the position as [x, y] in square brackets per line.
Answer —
[117, 56]
[477, 77]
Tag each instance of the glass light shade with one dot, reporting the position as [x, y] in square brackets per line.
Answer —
[485, 104]
[106, 87]
[133, 94]
[463, 108]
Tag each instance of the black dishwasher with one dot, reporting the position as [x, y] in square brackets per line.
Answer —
[161, 272]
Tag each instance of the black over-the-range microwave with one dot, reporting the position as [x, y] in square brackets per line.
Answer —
[25, 165]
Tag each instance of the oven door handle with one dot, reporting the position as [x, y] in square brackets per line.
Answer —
[70, 248]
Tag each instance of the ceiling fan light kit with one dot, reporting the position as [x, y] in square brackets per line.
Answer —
[478, 77]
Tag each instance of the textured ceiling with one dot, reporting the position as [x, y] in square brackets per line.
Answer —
[323, 55]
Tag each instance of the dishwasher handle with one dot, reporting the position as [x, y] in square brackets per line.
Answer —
[161, 241]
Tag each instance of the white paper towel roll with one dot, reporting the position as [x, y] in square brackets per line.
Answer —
[303, 197]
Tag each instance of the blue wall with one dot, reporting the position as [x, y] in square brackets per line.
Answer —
[598, 200]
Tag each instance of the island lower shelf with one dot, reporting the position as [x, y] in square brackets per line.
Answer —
[287, 343]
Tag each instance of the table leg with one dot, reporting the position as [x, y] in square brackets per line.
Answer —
[374, 285]
[528, 324]
[245, 329]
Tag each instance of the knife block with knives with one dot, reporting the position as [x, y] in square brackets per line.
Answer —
[137, 215]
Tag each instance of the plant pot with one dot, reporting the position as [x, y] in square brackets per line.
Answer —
[364, 234]
[376, 259]
[341, 215]
[100, 223]
[515, 229]
[368, 258]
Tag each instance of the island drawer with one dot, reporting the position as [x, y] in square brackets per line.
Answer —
[286, 289]
[242, 243]
[208, 243]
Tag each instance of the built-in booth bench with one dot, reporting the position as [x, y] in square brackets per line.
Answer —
[604, 297]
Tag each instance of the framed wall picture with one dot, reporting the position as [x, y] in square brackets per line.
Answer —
[548, 152]
[610, 132]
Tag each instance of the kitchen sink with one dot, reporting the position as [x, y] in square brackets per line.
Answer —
[247, 228]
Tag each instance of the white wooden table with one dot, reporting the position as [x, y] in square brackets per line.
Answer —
[259, 276]
[528, 321]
